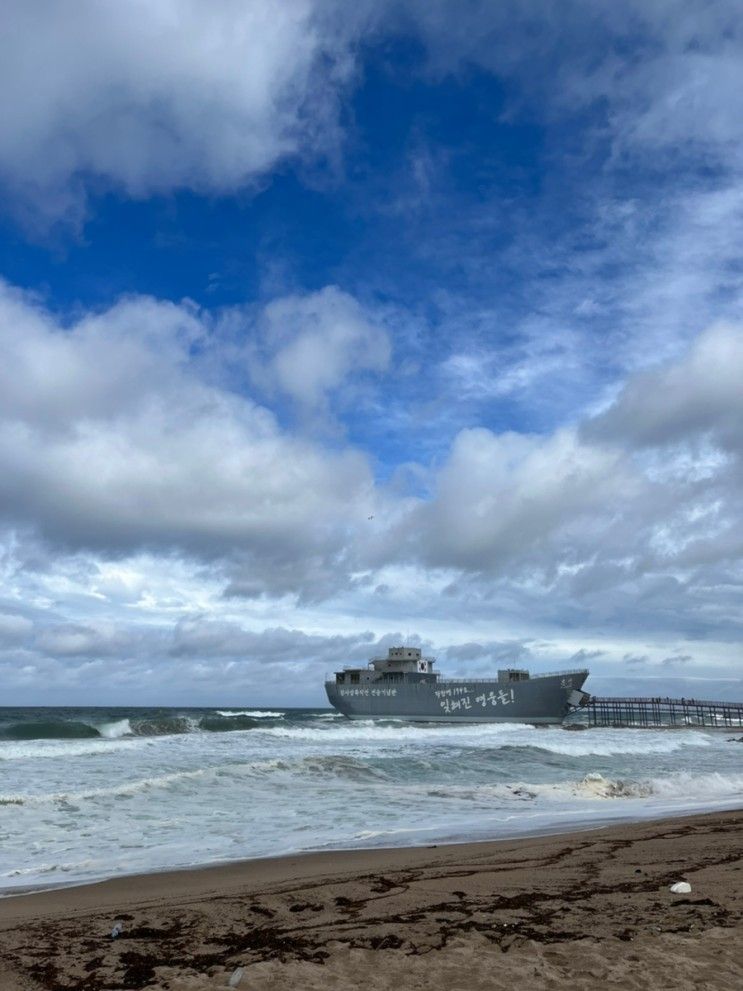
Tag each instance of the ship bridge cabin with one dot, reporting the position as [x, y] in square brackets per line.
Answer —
[400, 664]
[408, 664]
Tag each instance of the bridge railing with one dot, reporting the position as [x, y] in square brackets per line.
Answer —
[659, 711]
[663, 700]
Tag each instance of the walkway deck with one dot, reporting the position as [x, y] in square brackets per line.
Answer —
[663, 712]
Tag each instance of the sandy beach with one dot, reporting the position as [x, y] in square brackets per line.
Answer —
[578, 910]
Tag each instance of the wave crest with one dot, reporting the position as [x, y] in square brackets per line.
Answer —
[219, 720]
[252, 713]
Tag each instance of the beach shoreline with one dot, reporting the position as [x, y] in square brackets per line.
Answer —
[552, 828]
[569, 907]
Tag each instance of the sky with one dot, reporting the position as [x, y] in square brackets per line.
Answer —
[325, 327]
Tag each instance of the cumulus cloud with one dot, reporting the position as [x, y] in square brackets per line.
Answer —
[53, 377]
[110, 440]
[501, 497]
[312, 344]
[631, 520]
[699, 395]
[154, 96]
[137, 482]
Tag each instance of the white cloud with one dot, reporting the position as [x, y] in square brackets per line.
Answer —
[53, 377]
[312, 345]
[71, 640]
[502, 499]
[154, 95]
[110, 440]
[700, 394]
[13, 628]
[137, 485]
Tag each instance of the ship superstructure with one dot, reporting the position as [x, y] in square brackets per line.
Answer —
[404, 685]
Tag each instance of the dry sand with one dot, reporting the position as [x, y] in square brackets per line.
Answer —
[586, 910]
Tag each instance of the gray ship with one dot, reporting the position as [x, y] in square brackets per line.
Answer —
[403, 685]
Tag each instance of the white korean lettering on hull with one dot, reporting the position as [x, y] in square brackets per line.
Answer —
[447, 693]
[367, 691]
[504, 696]
[454, 705]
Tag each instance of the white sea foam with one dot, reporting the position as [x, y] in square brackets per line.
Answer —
[54, 749]
[620, 742]
[553, 740]
[114, 791]
[685, 784]
[253, 713]
[362, 731]
[680, 786]
[114, 731]
[162, 781]
[40, 870]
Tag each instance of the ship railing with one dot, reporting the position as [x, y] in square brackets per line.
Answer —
[330, 675]
[411, 660]
[356, 667]
[560, 674]
[533, 677]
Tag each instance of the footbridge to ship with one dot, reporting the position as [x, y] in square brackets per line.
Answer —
[662, 712]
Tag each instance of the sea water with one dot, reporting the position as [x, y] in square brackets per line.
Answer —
[92, 793]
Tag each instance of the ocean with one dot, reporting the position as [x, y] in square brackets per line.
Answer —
[91, 793]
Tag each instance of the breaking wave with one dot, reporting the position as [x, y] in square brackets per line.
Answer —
[252, 713]
[680, 786]
[319, 766]
[677, 788]
[115, 730]
[49, 730]
[310, 728]
[620, 742]
[397, 731]
[167, 725]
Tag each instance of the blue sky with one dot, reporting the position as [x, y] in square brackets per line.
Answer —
[332, 327]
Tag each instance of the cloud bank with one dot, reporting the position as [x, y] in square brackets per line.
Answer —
[116, 440]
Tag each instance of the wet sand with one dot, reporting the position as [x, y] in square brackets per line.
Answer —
[583, 911]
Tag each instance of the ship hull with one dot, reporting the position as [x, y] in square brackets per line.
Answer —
[540, 700]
